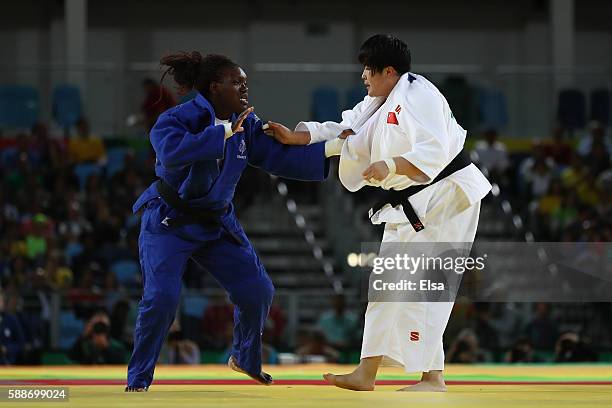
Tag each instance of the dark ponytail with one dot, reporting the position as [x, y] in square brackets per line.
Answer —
[184, 67]
[192, 71]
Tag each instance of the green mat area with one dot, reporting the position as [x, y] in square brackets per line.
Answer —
[465, 373]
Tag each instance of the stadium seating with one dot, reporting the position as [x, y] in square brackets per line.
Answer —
[600, 106]
[70, 328]
[67, 106]
[459, 95]
[115, 160]
[492, 108]
[354, 96]
[325, 104]
[72, 250]
[19, 106]
[127, 271]
[8, 157]
[572, 109]
[194, 305]
[84, 171]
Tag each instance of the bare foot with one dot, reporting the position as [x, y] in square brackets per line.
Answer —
[431, 381]
[425, 386]
[262, 378]
[352, 381]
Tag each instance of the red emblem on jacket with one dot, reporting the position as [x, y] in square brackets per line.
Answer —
[391, 118]
[414, 336]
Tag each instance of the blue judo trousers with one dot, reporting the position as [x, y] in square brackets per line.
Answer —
[194, 158]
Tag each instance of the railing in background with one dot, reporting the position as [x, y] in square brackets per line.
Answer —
[300, 307]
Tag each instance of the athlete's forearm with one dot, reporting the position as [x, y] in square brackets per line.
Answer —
[301, 137]
[286, 136]
[404, 168]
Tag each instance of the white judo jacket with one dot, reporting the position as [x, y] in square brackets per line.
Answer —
[414, 122]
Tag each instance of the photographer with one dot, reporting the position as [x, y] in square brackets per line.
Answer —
[179, 350]
[95, 345]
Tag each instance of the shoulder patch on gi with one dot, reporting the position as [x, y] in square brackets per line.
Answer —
[392, 118]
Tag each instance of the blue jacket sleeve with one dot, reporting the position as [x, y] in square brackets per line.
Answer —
[306, 163]
[175, 145]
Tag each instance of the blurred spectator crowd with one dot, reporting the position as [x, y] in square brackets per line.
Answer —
[66, 225]
[563, 187]
[527, 333]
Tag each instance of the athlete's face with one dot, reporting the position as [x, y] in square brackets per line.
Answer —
[232, 92]
[379, 83]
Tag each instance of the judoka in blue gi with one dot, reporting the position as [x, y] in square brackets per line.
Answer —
[202, 147]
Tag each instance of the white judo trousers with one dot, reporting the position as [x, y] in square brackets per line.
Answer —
[389, 326]
[416, 123]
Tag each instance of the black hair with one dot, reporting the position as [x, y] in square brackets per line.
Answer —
[381, 50]
[192, 71]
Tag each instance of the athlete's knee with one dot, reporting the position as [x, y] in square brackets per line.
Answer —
[267, 289]
[163, 301]
[256, 293]
[264, 290]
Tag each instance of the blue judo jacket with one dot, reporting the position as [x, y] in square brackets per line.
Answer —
[189, 147]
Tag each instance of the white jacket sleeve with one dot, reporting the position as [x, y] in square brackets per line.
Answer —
[321, 131]
[351, 119]
[427, 127]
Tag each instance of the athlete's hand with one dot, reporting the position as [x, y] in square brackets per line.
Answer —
[285, 135]
[237, 124]
[376, 171]
[346, 133]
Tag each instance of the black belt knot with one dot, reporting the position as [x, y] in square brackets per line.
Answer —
[395, 197]
[191, 215]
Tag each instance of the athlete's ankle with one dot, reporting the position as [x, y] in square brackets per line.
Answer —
[433, 376]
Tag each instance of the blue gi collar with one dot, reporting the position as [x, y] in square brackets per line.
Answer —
[203, 103]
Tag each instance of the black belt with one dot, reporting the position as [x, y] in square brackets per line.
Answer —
[394, 197]
[188, 214]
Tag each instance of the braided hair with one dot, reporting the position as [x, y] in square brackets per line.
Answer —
[191, 70]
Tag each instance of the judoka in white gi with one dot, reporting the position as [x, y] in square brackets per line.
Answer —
[402, 134]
